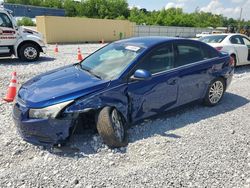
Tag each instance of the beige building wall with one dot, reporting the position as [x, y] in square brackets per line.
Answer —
[72, 30]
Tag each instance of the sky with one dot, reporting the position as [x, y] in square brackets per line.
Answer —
[229, 8]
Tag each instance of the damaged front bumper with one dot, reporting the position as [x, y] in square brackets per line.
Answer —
[41, 131]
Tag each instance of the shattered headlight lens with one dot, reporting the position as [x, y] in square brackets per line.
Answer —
[48, 112]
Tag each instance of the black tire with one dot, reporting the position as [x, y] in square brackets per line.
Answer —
[235, 60]
[208, 100]
[106, 128]
[29, 52]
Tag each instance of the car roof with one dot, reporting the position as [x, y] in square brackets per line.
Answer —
[226, 34]
[146, 42]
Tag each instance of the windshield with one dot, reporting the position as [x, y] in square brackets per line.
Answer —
[110, 61]
[213, 38]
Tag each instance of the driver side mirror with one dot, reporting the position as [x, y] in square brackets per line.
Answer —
[141, 74]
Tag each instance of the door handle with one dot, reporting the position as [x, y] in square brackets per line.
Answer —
[172, 81]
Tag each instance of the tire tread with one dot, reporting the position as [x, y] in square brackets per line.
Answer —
[106, 131]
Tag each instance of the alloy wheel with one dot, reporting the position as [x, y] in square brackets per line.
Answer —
[117, 125]
[216, 92]
[30, 53]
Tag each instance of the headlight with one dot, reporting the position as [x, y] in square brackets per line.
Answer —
[48, 112]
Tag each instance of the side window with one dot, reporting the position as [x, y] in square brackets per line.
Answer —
[236, 40]
[187, 53]
[246, 41]
[160, 59]
[208, 52]
[5, 21]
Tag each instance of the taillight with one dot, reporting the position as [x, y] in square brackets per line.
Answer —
[232, 62]
[219, 48]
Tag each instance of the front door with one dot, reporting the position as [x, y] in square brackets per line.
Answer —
[154, 96]
[7, 34]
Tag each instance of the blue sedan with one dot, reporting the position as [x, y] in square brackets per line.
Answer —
[119, 85]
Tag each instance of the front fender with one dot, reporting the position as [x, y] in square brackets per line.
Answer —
[29, 37]
[115, 97]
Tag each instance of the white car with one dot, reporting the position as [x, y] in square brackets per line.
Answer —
[202, 34]
[237, 45]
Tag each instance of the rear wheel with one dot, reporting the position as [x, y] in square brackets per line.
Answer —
[111, 127]
[215, 92]
[29, 52]
[235, 60]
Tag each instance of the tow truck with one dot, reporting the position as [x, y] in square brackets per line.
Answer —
[25, 44]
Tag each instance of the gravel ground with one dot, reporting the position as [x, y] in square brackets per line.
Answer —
[195, 146]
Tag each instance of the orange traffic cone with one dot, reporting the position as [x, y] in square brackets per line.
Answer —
[56, 49]
[79, 55]
[11, 94]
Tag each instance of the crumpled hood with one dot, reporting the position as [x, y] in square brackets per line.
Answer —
[60, 85]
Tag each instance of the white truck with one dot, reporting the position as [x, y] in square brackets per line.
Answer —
[21, 42]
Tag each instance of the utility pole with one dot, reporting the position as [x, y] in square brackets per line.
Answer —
[197, 9]
[241, 9]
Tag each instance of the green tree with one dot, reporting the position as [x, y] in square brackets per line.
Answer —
[70, 8]
[25, 22]
[35, 2]
[138, 16]
[52, 3]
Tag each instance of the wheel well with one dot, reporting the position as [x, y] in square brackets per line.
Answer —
[85, 120]
[28, 42]
[88, 120]
[234, 55]
[224, 80]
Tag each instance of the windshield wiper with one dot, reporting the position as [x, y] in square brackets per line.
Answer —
[94, 74]
[90, 72]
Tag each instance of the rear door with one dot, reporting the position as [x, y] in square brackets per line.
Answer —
[194, 61]
[154, 96]
[247, 43]
[241, 49]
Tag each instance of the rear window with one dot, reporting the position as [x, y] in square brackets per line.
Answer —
[187, 53]
[209, 52]
[213, 38]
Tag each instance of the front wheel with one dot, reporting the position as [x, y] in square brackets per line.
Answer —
[215, 92]
[111, 127]
[29, 52]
